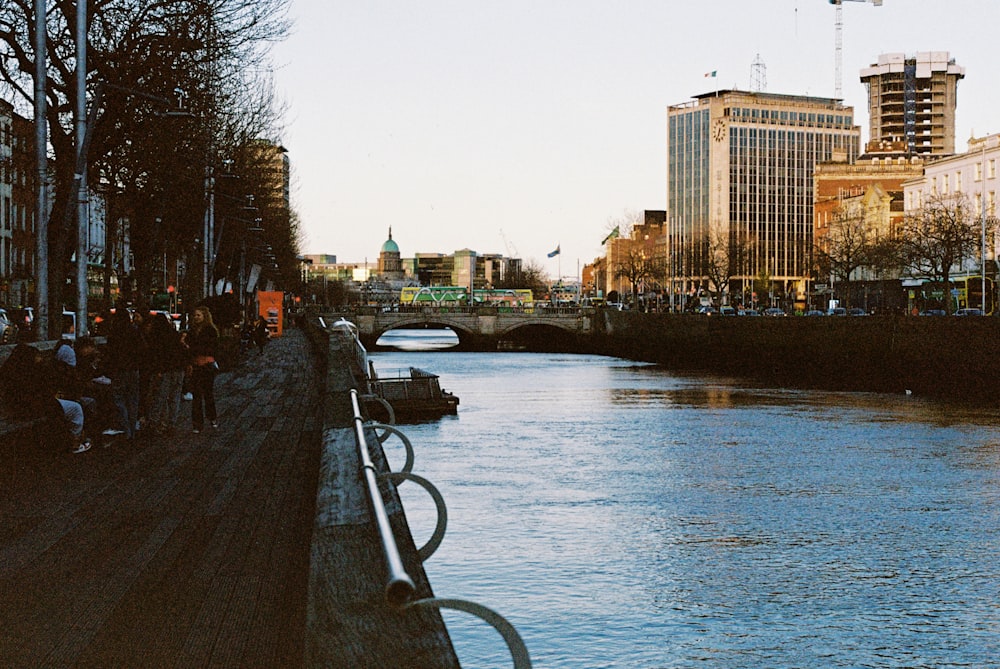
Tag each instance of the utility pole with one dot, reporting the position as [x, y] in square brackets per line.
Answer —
[83, 203]
[42, 201]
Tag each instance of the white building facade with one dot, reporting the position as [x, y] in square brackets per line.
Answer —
[972, 174]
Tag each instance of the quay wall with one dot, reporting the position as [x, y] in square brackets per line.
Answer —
[955, 358]
[349, 622]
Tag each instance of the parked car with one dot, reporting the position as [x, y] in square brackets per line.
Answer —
[933, 312]
[8, 330]
[774, 311]
[856, 312]
[837, 311]
[749, 312]
[815, 312]
[727, 311]
[707, 310]
[969, 311]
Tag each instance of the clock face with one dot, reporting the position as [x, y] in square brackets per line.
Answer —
[719, 130]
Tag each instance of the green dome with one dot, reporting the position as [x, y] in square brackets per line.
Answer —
[390, 246]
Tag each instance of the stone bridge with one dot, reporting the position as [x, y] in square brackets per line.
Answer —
[478, 327]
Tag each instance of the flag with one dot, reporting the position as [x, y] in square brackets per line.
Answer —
[611, 235]
[711, 74]
[554, 253]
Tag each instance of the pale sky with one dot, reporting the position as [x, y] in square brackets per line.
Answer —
[516, 126]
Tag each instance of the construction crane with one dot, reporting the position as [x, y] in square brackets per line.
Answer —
[511, 249]
[838, 26]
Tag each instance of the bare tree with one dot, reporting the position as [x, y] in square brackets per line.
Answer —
[636, 266]
[847, 246]
[139, 51]
[719, 261]
[938, 236]
[621, 225]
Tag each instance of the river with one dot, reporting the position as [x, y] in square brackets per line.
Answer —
[623, 516]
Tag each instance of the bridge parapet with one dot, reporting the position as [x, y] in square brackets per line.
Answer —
[486, 325]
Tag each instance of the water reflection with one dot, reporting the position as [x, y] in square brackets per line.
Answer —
[743, 527]
[423, 339]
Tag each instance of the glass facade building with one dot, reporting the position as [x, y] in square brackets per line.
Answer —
[740, 187]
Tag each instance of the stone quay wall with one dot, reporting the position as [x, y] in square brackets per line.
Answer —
[945, 357]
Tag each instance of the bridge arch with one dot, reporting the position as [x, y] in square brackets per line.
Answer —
[483, 328]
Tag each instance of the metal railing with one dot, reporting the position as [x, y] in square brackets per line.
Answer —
[400, 588]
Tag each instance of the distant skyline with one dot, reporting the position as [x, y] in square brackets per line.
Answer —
[515, 127]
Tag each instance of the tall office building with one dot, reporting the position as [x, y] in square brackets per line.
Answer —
[740, 187]
[912, 99]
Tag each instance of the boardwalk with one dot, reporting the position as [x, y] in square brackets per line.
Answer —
[191, 550]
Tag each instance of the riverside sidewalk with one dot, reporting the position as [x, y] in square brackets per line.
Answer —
[182, 551]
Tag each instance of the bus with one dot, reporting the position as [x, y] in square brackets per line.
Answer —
[966, 293]
[456, 295]
[434, 295]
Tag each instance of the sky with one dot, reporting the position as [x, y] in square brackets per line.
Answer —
[523, 126]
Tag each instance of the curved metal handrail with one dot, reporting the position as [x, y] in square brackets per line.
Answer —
[437, 536]
[515, 644]
[388, 408]
[389, 430]
[399, 587]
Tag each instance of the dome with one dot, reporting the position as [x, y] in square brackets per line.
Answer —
[390, 246]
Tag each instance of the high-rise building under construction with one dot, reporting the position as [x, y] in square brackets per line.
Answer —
[912, 100]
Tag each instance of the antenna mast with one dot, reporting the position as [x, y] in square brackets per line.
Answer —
[758, 75]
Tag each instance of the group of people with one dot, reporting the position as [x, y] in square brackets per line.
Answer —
[135, 383]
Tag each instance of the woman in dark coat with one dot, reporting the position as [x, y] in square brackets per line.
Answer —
[203, 342]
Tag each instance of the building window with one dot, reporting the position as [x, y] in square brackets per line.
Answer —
[991, 169]
[979, 172]
[958, 182]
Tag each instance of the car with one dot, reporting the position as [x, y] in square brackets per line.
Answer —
[727, 311]
[774, 311]
[969, 311]
[856, 312]
[933, 312]
[8, 330]
[837, 311]
[749, 312]
[707, 310]
[815, 312]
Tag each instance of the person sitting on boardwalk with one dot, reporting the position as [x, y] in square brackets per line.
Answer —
[29, 392]
[203, 342]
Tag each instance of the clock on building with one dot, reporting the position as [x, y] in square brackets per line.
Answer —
[719, 130]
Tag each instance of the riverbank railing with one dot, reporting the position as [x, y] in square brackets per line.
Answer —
[400, 587]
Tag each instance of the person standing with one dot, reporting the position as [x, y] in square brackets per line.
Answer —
[122, 354]
[260, 334]
[169, 356]
[203, 342]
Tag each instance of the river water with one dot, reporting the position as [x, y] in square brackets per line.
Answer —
[620, 515]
